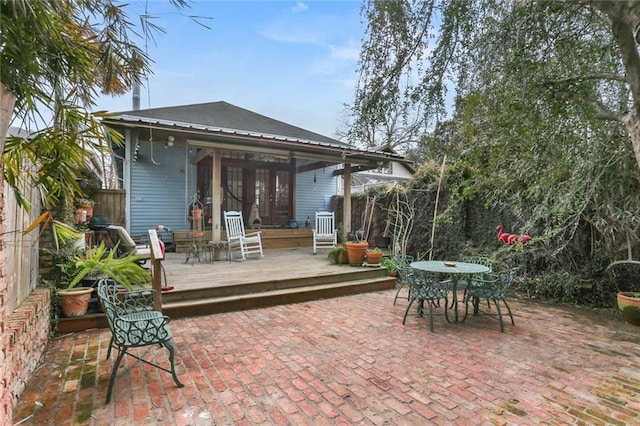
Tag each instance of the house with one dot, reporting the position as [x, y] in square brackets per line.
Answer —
[223, 157]
[388, 174]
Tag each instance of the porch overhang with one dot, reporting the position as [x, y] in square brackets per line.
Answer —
[211, 137]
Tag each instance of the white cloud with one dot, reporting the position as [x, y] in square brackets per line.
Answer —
[337, 59]
[284, 31]
[299, 7]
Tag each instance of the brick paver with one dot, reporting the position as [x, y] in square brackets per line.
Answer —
[350, 361]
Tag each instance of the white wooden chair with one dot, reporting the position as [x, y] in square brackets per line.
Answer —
[324, 233]
[237, 239]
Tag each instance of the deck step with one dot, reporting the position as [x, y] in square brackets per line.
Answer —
[281, 296]
[252, 295]
[259, 285]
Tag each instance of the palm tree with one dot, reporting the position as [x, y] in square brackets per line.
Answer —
[56, 57]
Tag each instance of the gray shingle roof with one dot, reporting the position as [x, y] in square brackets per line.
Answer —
[226, 121]
[226, 116]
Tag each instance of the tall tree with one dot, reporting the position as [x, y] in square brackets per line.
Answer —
[398, 51]
[547, 102]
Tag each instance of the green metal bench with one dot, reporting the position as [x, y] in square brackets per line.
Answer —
[134, 323]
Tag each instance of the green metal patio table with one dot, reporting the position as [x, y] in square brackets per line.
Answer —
[455, 269]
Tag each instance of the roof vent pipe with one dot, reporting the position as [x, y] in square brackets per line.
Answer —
[136, 96]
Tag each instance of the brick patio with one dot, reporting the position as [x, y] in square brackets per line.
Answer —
[349, 360]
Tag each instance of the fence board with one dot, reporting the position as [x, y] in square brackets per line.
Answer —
[110, 203]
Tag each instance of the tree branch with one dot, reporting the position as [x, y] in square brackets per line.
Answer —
[603, 113]
[625, 18]
[596, 76]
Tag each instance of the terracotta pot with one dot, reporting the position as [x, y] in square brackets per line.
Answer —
[88, 208]
[356, 252]
[374, 258]
[75, 302]
[196, 214]
[80, 216]
[629, 305]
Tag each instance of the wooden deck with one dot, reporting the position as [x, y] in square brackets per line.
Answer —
[277, 264]
[286, 275]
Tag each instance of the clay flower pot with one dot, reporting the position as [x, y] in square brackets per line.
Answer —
[629, 305]
[373, 257]
[88, 208]
[75, 302]
[80, 216]
[356, 251]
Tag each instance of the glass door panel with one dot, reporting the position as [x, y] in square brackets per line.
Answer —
[263, 197]
[281, 193]
[233, 187]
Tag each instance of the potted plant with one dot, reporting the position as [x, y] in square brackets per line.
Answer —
[338, 255]
[85, 204]
[80, 215]
[373, 256]
[357, 247]
[196, 207]
[628, 301]
[391, 265]
[356, 251]
[95, 263]
[629, 305]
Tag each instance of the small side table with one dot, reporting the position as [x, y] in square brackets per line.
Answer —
[218, 245]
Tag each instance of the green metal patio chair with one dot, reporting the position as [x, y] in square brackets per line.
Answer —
[134, 323]
[425, 287]
[403, 263]
[493, 287]
[480, 260]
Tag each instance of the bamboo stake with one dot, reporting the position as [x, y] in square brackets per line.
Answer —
[435, 209]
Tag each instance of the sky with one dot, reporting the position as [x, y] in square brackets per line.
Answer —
[294, 61]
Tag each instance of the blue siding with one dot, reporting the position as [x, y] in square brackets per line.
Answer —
[314, 196]
[160, 192]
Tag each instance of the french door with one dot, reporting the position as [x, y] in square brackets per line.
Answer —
[273, 196]
[270, 187]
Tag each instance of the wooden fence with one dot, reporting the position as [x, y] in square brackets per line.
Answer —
[21, 260]
[110, 204]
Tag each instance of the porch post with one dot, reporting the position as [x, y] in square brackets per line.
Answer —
[346, 191]
[216, 195]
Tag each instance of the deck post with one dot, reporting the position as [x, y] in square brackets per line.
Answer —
[346, 211]
[156, 269]
[216, 198]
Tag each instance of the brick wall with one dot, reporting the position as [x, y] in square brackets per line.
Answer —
[24, 340]
[24, 333]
